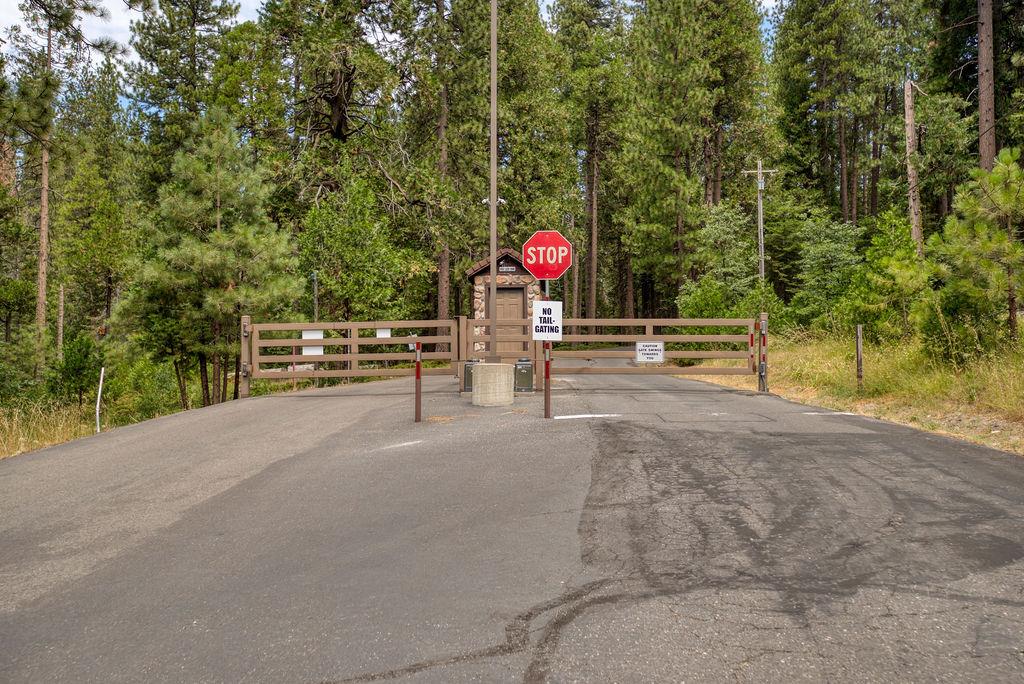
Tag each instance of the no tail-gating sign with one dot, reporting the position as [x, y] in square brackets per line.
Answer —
[547, 321]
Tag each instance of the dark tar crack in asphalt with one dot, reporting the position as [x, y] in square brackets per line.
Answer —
[762, 533]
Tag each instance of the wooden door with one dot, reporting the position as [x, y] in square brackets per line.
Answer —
[511, 306]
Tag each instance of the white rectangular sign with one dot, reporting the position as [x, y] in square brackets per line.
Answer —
[650, 352]
[383, 332]
[312, 335]
[547, 321]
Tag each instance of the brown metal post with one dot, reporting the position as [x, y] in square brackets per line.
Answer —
[547, 380]
[762, 349]
[419, 381]
[245, 358]
[860, 357]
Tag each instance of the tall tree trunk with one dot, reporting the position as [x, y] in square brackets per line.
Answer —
[204, 379]
[844, 199]
[592, 257]
[179, 375]
[224, 377]
[914, 191]
[677, 161]
[8, 164]
[7, 326]
[719, 142]
[44, 222]
[876, 156]
[576, 291]
[238, 374]
[108, 299]
[1011, 302]
[630, 311]
[60, 324]
[215, 379]
[854, 177]
[986, 88]
[709, 166]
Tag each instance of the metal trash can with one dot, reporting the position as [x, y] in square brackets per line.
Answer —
[467, 382]
[524, 375]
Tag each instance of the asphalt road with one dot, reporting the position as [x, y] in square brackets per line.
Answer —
[700, 534]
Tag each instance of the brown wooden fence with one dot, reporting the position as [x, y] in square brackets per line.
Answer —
[738, 343]
[273, 350]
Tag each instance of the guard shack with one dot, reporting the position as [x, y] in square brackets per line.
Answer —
[517, 291]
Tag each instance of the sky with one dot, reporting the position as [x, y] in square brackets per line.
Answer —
[117, 26]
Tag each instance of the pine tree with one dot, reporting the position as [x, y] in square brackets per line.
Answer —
[590, 32]
[56, 40]
[662, 134]
[216, 256]
[177, 43]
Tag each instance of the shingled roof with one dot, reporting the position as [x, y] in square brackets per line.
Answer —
[485, 263]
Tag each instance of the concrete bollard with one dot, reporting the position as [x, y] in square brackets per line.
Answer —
[493, 384]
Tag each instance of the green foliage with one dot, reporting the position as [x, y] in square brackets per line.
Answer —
[886, 287]
[364, 273]
[828, 261]
[177, 43]
[78, 372]
[216, 254]
[16, 286]
[705, 298]
[977, 261]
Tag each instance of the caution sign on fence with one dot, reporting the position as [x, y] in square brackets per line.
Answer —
[650, 352]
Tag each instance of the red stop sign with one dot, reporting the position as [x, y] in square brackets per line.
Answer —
[547, 255]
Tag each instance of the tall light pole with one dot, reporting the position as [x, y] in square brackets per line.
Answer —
[493, 356]
[760, 214]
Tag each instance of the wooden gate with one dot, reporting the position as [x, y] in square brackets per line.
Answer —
[275, 350]
[740, 342]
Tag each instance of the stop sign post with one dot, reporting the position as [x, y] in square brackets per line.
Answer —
[547, 255]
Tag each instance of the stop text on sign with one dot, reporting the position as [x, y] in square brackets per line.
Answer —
[547, 255]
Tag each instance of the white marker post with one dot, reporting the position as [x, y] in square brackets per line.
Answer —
[99, 396]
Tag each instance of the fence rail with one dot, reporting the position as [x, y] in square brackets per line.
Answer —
[267, 352]
[354, 348]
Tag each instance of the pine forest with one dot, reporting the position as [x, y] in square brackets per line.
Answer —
[156, 189]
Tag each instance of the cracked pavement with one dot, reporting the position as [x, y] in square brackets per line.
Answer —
[703, 534]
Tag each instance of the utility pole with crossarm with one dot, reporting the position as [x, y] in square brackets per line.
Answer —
[760, 213]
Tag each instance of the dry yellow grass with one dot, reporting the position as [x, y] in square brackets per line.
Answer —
[34, 426]
[982, 403]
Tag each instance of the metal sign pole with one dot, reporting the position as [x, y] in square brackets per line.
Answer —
[547, 380]
[762, 348]
[419, 381]
[493, 356]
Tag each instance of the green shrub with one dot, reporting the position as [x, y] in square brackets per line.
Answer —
[78, 372]
[959, 321]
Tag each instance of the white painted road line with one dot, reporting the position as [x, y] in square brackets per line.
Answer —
[828, 413]
[403, 444]
[590, 415]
